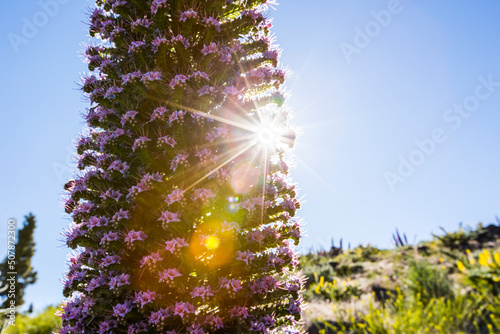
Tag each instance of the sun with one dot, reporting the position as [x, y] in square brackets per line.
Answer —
[266, 137]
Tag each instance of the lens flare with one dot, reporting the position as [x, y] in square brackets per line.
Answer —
[266, 136]
[233, 204]
[212, 245]
[212, 242]
[244, 178]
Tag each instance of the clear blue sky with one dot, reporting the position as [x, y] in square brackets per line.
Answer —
[364, 92]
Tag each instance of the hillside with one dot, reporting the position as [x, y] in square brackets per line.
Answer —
[449, 284]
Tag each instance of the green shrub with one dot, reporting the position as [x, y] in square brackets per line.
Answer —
[313, 273]
[362, 253]
[482, 272]
[459, 239]
[45, 322]
[463, 314]
[333, 290]
[345, 270]
[427, 281]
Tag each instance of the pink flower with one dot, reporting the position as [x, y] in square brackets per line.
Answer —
[203, 194]
[140, 142]
[118, 281]
[246, 256]
[136, 46]
[169, 217]
[158, 113]
[176, 116]
[252, 13]
[175, 244]
[239, 311]
[294, 307]
[156, 317]
[141, 22]
[256, 236]
[232, 285]
[128, 117]
[168, 275]
[109, 237]
[189, 14]
[118, 132]
[157, 42]
[207, 90]
[218, 132]
[151, 260]
[130, 77]
[109, 260]
[181, 308]
[202, 292]
[121, 214]
[179, 159]
[94, 222]
[271, 54]
[215, 322]
[268, 320]
[133, 236]
[112, 91]
[258, 327]
[156, 4]
[107, 325]
[94, 283]
[206, 156]
[151, 76]
[248, 205]
[119, 166]
[85, 207]
[179, 80]
[167, 140]
[159, 317]
[210, 21]
[120, 310]
[226, 58]
[199, 75]
[171, 246]
[288, 203]
[270, 231]
[113, 194]
[263, 285]
[209, 48]
[137, 328]
[181, 39]
[195, 329]
[144, 298]
[177, 195]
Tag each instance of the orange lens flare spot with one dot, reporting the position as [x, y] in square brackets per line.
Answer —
[212, 245]
[244, 178]
[212, 242]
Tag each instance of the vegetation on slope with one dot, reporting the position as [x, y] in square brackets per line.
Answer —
[447, 285]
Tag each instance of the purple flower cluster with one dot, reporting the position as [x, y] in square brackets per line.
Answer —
[170, 235]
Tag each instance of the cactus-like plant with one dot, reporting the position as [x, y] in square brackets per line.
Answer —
[182, 207]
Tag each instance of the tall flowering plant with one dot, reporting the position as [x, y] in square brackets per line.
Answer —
[182, 209]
